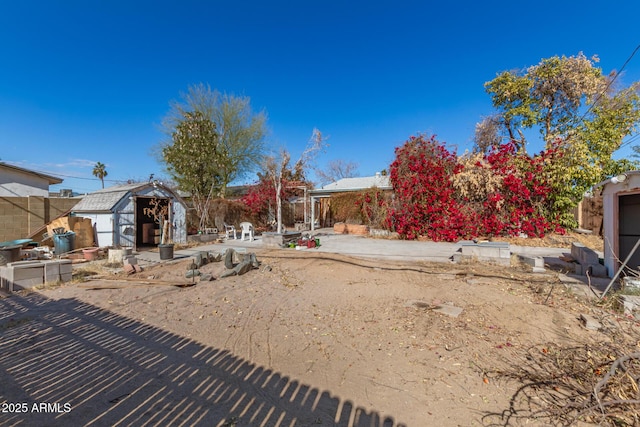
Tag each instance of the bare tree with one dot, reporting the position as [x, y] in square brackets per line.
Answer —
[487, 134]
[337, 169]
[275, 167]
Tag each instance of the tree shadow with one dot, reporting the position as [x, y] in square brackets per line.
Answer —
[111, 370]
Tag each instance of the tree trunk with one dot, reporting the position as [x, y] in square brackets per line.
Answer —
[279, 206]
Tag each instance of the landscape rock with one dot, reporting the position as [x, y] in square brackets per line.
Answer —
[449, 310]
[590, 322]
[192, 273]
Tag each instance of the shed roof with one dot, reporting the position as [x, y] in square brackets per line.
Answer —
[354, 184]
[627, 175]
[104, 200]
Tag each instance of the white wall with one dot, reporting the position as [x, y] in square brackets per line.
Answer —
[103, 225]
[18, 184]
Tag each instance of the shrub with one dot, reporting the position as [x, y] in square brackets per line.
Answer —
[373, 207]
[421, 176]
[503, 192]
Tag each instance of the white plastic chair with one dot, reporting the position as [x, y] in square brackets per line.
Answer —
[230, 230]
[247, 229]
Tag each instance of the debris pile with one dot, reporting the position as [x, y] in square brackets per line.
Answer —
[559, 385]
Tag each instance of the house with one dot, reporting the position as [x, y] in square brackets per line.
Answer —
[19, 182]
[25, 205]
[621, 221]
[321, 197]
[122, 219]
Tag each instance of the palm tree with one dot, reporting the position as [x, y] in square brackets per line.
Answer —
[100, 172]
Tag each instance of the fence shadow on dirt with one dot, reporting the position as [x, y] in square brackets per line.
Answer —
[66, 362]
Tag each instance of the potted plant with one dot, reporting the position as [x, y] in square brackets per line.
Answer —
[158, 209]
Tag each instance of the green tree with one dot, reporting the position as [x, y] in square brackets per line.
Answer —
[100, 172]
[192, 160]
[239, 143]
[575, 107]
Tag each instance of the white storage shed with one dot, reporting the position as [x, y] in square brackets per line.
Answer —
[121, 218]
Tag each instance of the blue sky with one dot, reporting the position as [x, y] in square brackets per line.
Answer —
[88, 81]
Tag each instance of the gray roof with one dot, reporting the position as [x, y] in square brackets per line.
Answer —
[354, 184]
[104, 200]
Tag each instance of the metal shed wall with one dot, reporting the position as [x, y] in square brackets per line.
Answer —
[617, 246]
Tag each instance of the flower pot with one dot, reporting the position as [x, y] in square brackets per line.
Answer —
[166, 251]
[90, 254]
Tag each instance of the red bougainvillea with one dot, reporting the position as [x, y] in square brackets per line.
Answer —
[259, 196]
[427, 203]
[262, 196]
[425, 206]
[521, 205]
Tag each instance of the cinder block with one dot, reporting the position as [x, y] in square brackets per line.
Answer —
[5, 284]
[496, 252]
[52, 268]
[594, 270]
[583, 254]
[533, 261]
[576, 249]
[66, 266]
[130, 260]
[26, 272]
[60, 270]
[489, 252]
[597, 270]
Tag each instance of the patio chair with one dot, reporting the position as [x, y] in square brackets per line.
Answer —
[247, 229]
[230, 230]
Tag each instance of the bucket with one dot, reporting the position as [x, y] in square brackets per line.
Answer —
[64, 242]
[90, 254]
[166, 251]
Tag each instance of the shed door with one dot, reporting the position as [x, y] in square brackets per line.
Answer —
[629, 226]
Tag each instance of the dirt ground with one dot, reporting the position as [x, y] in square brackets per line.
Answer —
[307, 339]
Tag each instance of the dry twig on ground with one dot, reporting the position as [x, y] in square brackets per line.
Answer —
[563, 385]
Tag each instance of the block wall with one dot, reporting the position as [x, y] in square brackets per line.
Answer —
[22, 216]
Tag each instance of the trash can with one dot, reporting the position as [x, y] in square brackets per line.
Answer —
[64, 242]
